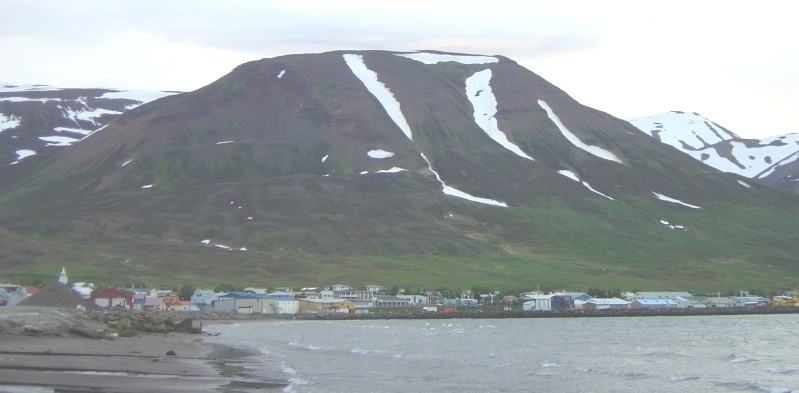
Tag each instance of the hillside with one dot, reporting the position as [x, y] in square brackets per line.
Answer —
[419, 169]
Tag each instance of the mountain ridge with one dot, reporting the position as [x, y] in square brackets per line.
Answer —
[771, 160]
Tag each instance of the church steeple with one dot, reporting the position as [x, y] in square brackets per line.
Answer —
[63, 277]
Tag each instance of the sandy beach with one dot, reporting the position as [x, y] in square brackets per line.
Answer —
[176, 362]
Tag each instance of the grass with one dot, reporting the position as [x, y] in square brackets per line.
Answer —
[563, 249]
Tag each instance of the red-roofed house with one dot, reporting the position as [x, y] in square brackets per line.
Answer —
[109, 298]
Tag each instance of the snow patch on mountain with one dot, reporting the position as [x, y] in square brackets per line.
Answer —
[595, 150]
[73, 130]
[673, 200]
[435, 58]
[58, 140]
[380, 154]
[142, 96]
[569, 174]
[573, 176]
[86, 113]
[93, 132]
[8, 122]
[22, 154]
[478, 90]
[379, 91]
[458, 193]
[787, 160]
[392, 170]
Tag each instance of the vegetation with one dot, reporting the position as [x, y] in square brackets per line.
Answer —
[549, 246]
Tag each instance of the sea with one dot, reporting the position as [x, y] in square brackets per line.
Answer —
[740, 353]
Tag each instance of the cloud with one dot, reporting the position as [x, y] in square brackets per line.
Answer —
[626, 57]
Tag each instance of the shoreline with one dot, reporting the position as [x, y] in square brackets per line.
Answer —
[178, 362]
[480, 314]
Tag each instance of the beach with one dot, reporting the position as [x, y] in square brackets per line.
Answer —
[176, 362]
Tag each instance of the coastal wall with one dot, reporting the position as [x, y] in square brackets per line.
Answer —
[109, 323]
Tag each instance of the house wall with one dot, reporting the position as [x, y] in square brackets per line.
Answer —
[255, 305]
[537, 303]
[306, 306]
[111, 301]
[225, 305]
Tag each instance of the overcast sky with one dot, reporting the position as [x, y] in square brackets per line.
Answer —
[734, 62]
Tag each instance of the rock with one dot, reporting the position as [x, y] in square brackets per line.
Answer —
[171, 353]
[32, 330]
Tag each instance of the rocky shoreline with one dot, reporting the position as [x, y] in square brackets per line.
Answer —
[570, 313]
[99, 324]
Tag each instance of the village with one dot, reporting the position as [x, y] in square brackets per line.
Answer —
[345, 299]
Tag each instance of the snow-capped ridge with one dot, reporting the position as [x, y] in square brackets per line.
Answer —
[718, 147]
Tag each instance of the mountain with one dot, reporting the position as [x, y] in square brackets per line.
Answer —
[770, 160]
[40, 119]
[420, 168]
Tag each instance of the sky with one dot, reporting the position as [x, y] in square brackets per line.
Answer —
[734, 62]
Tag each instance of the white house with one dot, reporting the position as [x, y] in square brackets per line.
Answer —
[653, 303]
[281, 303]
[415, 299]
[656, 295]
[605, 303]
[204, 298]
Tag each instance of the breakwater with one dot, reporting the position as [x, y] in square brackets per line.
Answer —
[569, 313]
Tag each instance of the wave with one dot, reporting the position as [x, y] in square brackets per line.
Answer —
[680, 378]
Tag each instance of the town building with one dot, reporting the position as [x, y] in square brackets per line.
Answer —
[605, 304]
[62, 278]
[326, 306]
[240, 302]
[536, 302]
[184, 305]
[113, 298]
[653, 303]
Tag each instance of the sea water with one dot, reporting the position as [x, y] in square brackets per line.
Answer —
[747, 353]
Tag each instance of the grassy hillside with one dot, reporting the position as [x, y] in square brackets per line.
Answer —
[553, 245]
